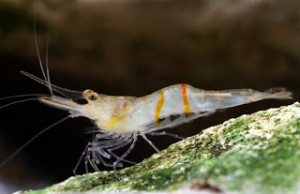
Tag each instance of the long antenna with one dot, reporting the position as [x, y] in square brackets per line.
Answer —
[45, 74]
[47, 66]
[21, 96]
[18, 101]
[30, 140]
[38, 50]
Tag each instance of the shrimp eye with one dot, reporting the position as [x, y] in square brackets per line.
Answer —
[90, 95]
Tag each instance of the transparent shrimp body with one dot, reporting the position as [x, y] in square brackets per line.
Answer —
[120, 120]
[167, 107]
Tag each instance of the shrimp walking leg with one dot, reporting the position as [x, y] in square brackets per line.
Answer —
[125, 153]
[97, 151]
[117, 157]
[150, 143]
[165, 133]
[83, 153]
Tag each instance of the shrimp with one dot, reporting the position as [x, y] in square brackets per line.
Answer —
[120, 120]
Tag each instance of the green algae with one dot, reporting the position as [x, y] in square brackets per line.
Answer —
[253, 153]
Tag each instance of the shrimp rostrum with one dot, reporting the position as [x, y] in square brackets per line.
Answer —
[120, 120]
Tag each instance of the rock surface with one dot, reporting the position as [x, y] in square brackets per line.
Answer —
[257, 153]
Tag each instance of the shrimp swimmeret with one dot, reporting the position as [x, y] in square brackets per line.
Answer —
[120, 120]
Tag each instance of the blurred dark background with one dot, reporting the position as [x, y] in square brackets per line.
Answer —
[130, 47]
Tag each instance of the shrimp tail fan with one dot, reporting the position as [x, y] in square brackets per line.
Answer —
[279, 93]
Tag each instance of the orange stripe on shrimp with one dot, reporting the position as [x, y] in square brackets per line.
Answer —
[186, 103]
[159, 105]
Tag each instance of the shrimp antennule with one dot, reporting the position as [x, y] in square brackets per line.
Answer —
[63, 91]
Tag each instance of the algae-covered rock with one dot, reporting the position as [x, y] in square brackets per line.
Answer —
[257, 153]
